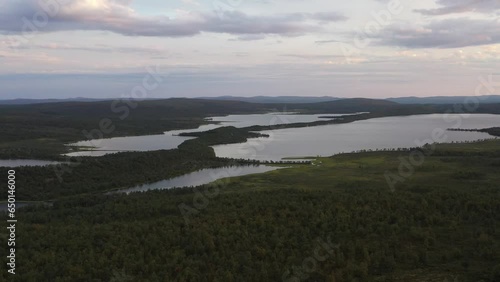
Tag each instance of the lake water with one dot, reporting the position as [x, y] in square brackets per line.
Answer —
[201, 177]
[169, 140]
[389, 132]
[18, 163]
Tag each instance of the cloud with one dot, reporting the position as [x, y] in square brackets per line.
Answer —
[327, 41]
[308, 56]
[462, 6]
[101, 48]
[450, 33]
[191, 2]
[249, 37]
[117, 16]
[328, 16]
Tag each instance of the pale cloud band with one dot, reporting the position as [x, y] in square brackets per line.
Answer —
[462, 6]
[268, 47]
[116, 16]
[448, 33]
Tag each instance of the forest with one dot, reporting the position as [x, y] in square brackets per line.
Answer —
[331, 219]
[88, 175]
[42, 130]
[494, 131]
[335, 220]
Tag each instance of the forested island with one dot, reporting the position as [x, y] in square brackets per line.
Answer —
[494, 131]
[42, 130]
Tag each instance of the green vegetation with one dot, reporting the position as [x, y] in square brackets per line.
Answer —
[328, 120]
[221, 135]
[82, 175]
[41, 148]
[440, 223]
[94, 175]
[494, 131]
[41, 130]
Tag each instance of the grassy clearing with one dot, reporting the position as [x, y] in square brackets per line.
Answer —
[451, 165]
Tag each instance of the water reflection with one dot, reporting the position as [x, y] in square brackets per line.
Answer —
[170, 139]
[200, 177]
[18, 163]
[379, 133]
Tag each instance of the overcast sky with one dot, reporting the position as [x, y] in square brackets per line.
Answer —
[356, 48]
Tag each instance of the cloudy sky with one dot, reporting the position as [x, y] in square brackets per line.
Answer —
[357, 48]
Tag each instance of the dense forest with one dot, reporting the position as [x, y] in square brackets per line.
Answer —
[334, 220]
[86, 175]
[494, 131]
[41, 130]
[83, 175]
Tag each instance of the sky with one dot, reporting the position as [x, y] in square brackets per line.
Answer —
[194, 48]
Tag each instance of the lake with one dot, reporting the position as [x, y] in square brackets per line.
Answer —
[201, 177]
[170, 140]
[18, 163]
[388, 132]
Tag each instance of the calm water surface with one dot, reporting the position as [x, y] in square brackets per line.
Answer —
[200, 177]
[169, 140]
[389, 132]
[380, 133]
[18, 163]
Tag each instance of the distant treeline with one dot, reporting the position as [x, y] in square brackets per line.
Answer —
[41, 130]
[494, 131]
[88, 175]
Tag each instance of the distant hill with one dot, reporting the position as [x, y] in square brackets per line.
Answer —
[445, 99]
[400, 100]
[275, 99]
[184, 107]
[44, 101]
[489, 99]
[256, 99]
[350, 106]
